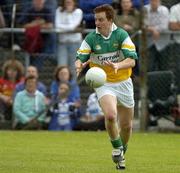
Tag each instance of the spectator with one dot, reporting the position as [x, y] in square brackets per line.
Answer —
[63, 74]
[93, 111]
[174, 25]
[31, 70]
[12, 74]
[68, 18]
[29, 106]
[157, 21]
[93, 118]
[38, 17]
[87, 7]
[138, 3]
[50, 4]
[127, 17]
[63, 109]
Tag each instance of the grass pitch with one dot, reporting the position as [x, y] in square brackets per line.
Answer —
[85, 152]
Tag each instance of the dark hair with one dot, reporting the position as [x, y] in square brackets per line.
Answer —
[63, 5]
[66, 83]
[58, 69]
[108, 9]
[13, 64]
[120, 10]
[29, 78]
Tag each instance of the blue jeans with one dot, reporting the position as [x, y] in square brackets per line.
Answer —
[66, 55]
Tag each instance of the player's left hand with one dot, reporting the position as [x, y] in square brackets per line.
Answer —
[115, 66]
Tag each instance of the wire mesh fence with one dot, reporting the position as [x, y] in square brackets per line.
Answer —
[163, 79]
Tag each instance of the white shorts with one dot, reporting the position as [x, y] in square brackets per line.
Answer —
[123, 91]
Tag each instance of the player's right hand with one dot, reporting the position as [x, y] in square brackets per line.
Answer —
[80, 66]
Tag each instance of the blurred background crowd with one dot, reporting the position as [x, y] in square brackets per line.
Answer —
[39, 40]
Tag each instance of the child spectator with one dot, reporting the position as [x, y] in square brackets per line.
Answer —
[93, 111]
[93, 118]
[29, 106]
[63, 74]
[13, 72]
[62, 110]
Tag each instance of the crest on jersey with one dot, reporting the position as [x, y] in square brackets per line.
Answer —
[115, 45]
[98, 47]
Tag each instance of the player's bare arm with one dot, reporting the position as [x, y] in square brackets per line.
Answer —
[126, 63]
[80, 66]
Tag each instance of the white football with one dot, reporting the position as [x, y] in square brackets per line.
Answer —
[95, 77]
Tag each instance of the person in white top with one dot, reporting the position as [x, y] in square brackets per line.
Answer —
[174, 25]
[157, 20]
[68, 18]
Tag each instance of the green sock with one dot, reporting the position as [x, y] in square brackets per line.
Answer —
[117, 143]
[125, 148]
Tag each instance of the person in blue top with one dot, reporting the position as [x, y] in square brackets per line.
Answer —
[137, 3]
[63, 74]
[62, 109]
[87, 7]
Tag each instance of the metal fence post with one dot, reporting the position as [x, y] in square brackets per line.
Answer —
[143, 74]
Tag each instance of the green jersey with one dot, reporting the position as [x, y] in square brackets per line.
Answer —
[115, 48]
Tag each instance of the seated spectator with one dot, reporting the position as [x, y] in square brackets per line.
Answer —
[157, 21]
[68, 18]
[38, 17]
[94, 117]
[93, 111]
[29, 106]
[31, 71]
[174, 25]
[87, 7]
[12, 73]
[63, 109]
[63, 74]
